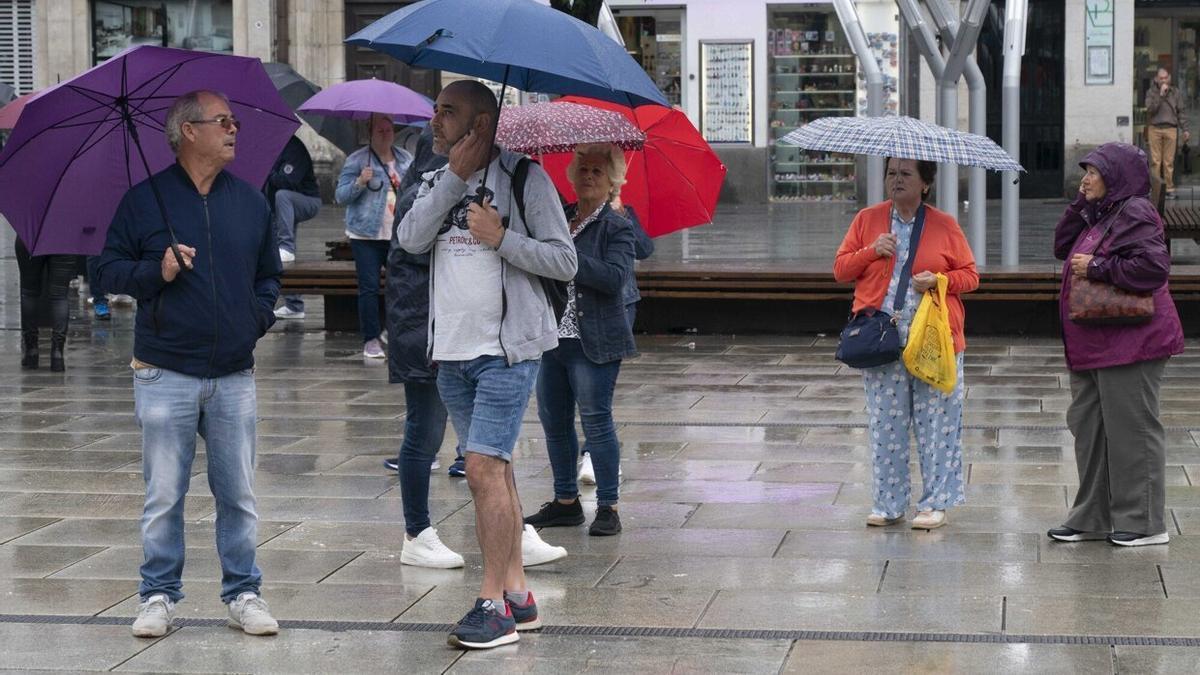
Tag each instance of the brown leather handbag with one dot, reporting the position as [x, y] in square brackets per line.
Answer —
[1099, 303]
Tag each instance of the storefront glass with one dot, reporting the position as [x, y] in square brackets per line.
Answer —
[655, 40]
[811, 74]
[188, 24]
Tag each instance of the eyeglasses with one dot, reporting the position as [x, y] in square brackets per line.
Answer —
[226, 121]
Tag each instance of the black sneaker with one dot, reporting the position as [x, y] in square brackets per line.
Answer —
[484, 627]
[1135, 539]
[526, 616]
[607, 522]
[555, 514]
[459, 468]
[392, 464]
[1064, 533]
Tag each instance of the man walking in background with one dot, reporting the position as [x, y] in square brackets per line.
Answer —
[1165, 122]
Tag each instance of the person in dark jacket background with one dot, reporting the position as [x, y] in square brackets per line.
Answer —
[1111, 233]
[594, 335]
[193, 352]
[294, 198]
[407, 315]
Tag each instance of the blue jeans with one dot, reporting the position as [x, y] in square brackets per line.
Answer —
[424, 429]
[567, 377]
[486, 399]
[290, 209]
[370, 256]
[171, 408]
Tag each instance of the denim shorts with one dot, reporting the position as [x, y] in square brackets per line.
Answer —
[486, 399]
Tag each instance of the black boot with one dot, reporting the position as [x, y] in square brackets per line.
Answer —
[29, 354]
[57, 342]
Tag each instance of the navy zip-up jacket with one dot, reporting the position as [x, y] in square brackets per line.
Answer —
[204, 323]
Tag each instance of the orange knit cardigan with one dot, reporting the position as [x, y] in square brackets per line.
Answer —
[942, 248]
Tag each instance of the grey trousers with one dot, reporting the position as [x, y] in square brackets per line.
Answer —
[1120, 449]
[291, 209]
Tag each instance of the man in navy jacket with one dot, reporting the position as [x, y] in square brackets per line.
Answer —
[193, 353]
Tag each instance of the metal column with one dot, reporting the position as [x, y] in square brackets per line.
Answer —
[848, 15]
[1015, 14]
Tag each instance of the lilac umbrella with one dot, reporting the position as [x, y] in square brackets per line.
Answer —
[80, 145]
[357, 99]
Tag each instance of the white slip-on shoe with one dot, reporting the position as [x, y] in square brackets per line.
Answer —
[427, 550]
[534, 551]
[154, 617]
[373, 350]
[929, 520]
[250, 613]
[880, 520]
[587, 475]
[286, 256]
[286, 312]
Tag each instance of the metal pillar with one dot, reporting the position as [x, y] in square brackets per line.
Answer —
[961, 37]
[926, 43]
[1015, 14]
[848, 15]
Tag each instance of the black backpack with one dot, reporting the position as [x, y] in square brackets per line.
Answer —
[555, 290]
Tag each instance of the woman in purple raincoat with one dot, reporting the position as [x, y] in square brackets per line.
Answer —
[1111, 233]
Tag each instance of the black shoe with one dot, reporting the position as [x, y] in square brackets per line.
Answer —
[29, 353]
[57, 363]
[392, 464]
[1136, 539]
[1064, 533]
[607, 522]
[459, 468]
[554, 514]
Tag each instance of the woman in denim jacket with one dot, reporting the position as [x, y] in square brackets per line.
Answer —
[368, 186]
[593, 336]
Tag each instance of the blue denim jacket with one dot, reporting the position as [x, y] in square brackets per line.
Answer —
[605, 250]
[643, 247]
[364, 206]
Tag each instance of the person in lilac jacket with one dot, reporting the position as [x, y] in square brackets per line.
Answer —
[1112, 233]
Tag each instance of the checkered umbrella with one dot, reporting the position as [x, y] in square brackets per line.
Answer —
[544, 128]
[899, 136]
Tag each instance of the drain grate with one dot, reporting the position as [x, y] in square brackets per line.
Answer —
[651, 631]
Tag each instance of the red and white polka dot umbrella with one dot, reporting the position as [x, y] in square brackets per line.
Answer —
[543, 128]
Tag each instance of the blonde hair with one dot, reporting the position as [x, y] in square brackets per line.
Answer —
[616, 164]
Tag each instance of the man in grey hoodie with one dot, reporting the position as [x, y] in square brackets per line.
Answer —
[489, 322]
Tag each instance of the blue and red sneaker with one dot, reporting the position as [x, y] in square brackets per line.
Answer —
[525, 615]
[487, 625]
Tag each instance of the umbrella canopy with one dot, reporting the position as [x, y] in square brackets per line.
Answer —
[81, 144]
[673, 182]
[295, 89]
[518, 42]
[358, 99]
[900, 136]
[12, 111]
[542, 128]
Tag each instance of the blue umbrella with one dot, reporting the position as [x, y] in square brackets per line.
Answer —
[517, 42]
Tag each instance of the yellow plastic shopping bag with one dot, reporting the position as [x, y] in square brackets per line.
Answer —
[929, 354]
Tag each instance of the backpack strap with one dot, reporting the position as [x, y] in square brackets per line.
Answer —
[519, 176]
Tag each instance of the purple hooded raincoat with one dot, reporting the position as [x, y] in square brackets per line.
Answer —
[1133, 255]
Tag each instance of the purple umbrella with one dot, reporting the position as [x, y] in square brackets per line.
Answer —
[357, 99]
[80, 145]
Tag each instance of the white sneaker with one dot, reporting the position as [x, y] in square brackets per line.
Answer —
[286, 312]
[587, 475]
[154, 617]
[434, 466]
[250, 613]
[426, 550]
[286, 256]
[534, 551]
[929, 520]
[373, 350]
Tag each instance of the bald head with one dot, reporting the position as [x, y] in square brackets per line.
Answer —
[463, 106]
[477, 96]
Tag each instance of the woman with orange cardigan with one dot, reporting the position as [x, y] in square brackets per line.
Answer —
[872, 255]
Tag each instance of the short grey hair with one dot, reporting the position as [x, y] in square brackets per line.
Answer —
[616, 164]
[184, 109]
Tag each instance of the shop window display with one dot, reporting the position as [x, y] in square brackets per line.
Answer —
[188, 24]
[812, 74]
[655, 40]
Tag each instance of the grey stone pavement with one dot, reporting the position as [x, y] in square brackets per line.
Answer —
[746, 482]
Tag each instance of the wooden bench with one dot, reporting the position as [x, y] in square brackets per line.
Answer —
[1181, 222]
[334, 280]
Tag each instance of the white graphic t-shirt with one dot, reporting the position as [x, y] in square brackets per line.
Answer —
[467, 283]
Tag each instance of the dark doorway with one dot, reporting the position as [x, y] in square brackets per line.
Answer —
[1042, 82]
[363, 63]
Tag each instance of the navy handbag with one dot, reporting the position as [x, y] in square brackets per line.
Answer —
[871, 337]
